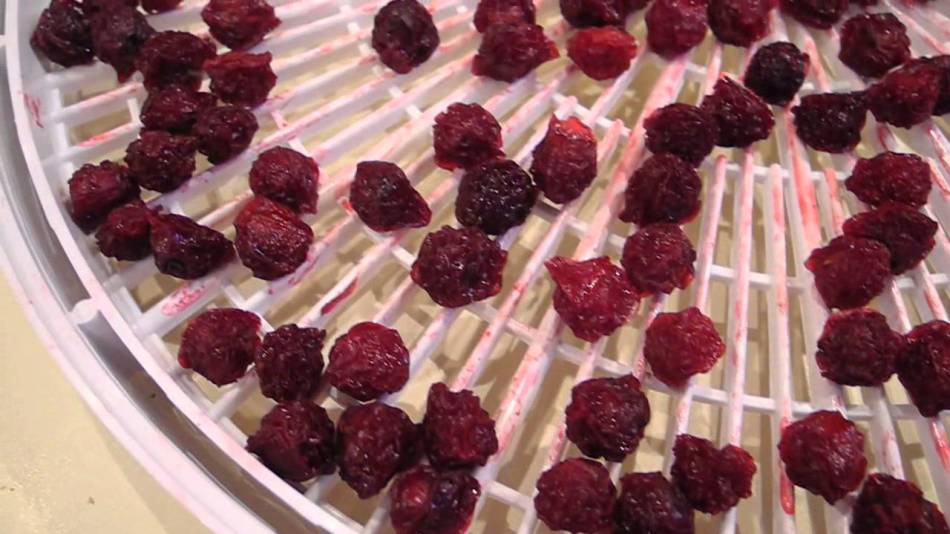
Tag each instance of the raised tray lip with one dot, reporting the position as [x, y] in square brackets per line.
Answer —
[184, 478]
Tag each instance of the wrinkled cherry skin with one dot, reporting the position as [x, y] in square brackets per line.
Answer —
[594, 297]
[220, 344]
[175, 109]
[776, 72]
[742, 118]
[873, 44]
[270, 240]
[713, 480]
[383, 197]
[459, 267]
[607, 416]
[465, 135]
[683, 130]
[891, 176]
[239, 24]
[125, 233]
[404, 35]
[173, 58]
[907, 233]
[824, 453]
[289, 363]
[374, 443]
[117, 36]
[564, 163]
[849, 271]
[495, 196]
[858, 348]
[160, 6]
[63, 34]
[831, 122]
[510, 51]
[602, 53]
[821, 14]
[681, 344]
[185, 249]
[95, 190]
[295, 441]
[648, 503]
[423, 501]
[923, 367]
[739, 22]
[241, 78]
[664, 189]
[675, 26]
[286, 176]
[587, 13]
[161, 161]
[907, 95]
[457, 432]
[491, 12]
[576, 495]
[224, 132]
[368, 361]
[887, 505]
[942, 64]
[658, 259]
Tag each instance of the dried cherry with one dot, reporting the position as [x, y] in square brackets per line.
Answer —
[425, 501]
[887, 504]
[658, 259]
[185, 249]
[117, 37]
[873, 44]
[607, 416]
[220, 344]
[664, 189]
[824, 453]
[676, 26]
[739, 22]
[821, 14]
[368, 361]
[923, 367]
[510, 51]
[491, 12]
[286, 176]
[831, 122]
[850, 271]
[374, 443]
[295, 441]
[63, 34]
[594, 297]
[404, 35]
[125, 233]
[891, 177]
[858, 348]
[241, 78]
[713, 480]
[648, 503]
[683, 130]
[95, 190]
[495, 196]
[239, 24]
[270, 240]
[776, 72]
[602, 53]
[459, 266]
[564, 163]
[907, 95]
[587, 13]
[907, 233]
[741, 117]
[161, 161]
[384, 198]
[174, 109]
[289, 363]
[457, 432]
[224, 132]
[576, 495]
[465, 135]
[681, 344]
[173, 58]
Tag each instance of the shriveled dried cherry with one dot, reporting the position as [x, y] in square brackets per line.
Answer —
[161, 161]
[675, 26]
[824, 453]
[117, 37]
[907, 233]
[942, 64]
[648, 503]
[220, 344]
[241, 78]
[286, 176]
[742, 118]
[872, 44]
[175, 109]
[495, 196]
[586, 13]
[664, 189]
[425, 501]
[224, 132]
[173, 58]
[602, 53]
[594, 297]
[607, 416]
[821, 14]
[289, 363]
[404, 35]
[491, 12]
[239, 24]
[295, 441]
[465, 135]
[831, 122]
[270, 240]
[907, 95]
[923, 367]
[368, 361]
[683, 130]
[681, 344]
[739, 22]
[850, 271]
[776, 72]
[858, 348]
[893, 177]
[124, 235]
[510, 51]
[459, 266]
[713, 480]
[658, 259]
[63, 35]
[95, 190]
[384, 198]
[374, 443]
[564, 163]
[457, 432]
[576, 495]
[887, 504]
[185, 249]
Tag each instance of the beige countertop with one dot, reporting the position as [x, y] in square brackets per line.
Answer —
[60, 470]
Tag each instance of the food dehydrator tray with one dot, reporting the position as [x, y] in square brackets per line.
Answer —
[115, 328]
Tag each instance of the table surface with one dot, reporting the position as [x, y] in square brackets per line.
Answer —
[60, 469]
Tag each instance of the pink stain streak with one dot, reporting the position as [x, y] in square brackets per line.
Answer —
[345, 294]
[35, 108]
[185, 296]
